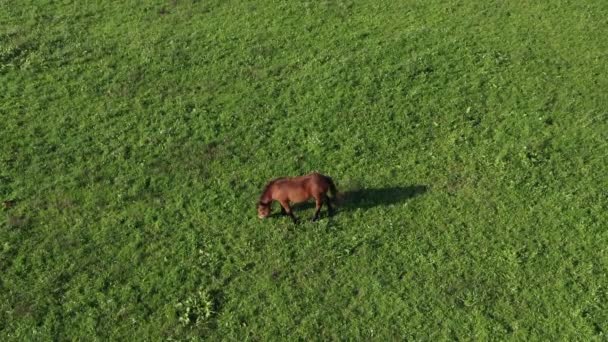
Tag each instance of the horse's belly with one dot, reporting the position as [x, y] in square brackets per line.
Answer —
[297, 198]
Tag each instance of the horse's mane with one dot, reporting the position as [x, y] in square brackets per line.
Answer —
[268, 185]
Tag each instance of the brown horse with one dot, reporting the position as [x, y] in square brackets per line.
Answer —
[288, 190]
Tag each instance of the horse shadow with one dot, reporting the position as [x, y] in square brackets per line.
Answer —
[367, 198]
[374, 197]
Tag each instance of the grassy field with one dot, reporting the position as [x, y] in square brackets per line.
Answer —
[470, 140]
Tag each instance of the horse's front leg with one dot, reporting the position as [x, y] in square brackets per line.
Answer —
[287, 209]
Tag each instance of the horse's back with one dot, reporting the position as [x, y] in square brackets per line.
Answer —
[301, 188]
[317, 183]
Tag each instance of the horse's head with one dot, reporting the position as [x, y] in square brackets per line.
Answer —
[263, 210]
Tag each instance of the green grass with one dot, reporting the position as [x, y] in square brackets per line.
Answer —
[135, 139]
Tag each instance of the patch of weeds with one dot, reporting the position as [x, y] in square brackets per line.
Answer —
[8, 204]
[196, 310]
[14, 55]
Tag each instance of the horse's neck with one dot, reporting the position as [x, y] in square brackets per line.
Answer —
[266, 196]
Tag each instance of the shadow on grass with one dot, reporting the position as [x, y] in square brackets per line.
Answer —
[369, 198]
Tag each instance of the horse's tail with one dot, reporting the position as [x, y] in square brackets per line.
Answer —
[332, 187]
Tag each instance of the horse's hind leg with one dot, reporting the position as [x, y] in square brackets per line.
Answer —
[330, 209]
[319, 204]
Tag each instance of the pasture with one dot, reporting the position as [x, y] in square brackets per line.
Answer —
[469, 140]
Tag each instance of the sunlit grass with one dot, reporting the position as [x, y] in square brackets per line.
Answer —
[469, 140]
